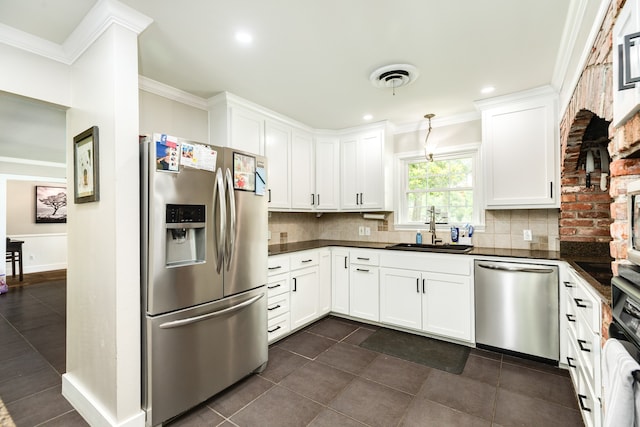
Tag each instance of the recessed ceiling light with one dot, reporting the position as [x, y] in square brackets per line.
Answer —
[244, 37]
[487, 89]
[367, 117]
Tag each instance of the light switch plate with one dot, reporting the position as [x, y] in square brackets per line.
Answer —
[527, 235]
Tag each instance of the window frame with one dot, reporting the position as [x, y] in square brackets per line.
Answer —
[402, 161]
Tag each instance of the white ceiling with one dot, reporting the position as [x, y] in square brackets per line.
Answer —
[311, 60]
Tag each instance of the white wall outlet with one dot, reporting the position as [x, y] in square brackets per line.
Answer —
[367, 231]
[361, 230]
[527, 235]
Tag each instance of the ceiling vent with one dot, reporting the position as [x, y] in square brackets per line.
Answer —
[394, 76]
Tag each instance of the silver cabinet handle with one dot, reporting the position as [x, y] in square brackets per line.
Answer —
[517, 269]
[362, 269]
[190, 320]
[364, 259]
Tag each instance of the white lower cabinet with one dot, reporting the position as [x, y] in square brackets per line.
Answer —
[364, 297]
[278, 301]
[324, 279]
[340, 281]
[581, 322]
[447, 306]
[436, 303]
[439, 302]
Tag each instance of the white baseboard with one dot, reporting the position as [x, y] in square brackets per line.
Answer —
[93, 411]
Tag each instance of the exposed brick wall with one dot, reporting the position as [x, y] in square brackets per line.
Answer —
[591, 215]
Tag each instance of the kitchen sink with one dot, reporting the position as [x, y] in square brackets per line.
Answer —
[446, 248]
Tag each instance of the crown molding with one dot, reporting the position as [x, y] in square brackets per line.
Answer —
[569, 83]
[32, 162]
[104, 14]
[572, 25]
[152, 86]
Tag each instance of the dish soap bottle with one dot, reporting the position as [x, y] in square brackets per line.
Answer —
[418, 238]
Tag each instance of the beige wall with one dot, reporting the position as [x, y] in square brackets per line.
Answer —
[163, 115]
[21, 207]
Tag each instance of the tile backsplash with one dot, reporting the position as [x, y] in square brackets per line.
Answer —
[503, 229]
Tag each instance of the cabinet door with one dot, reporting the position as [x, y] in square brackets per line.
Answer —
[447, 307]
[401, 297]
[520, 155]
[302, 171]
[364, 292]
[277, 150]
[327, 173]
[370, 171]
[324, 288]
[304, 296]
[349, 198]
[340, 281]
[247, 130]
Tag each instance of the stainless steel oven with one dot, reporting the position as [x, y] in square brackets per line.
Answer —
[625, 308]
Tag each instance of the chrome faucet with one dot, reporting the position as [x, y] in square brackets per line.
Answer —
[432, 226]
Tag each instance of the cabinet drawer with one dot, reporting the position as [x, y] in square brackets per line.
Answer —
[364, 257]
[278, 284]
[277, 327]
[587, 307]
[277, 305]
[304, 259]
[278, 264]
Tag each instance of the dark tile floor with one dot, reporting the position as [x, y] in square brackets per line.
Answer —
[316, 377]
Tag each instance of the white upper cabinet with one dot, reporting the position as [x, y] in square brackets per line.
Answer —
[327, 173]
[363, 171]
[234, 123]
[278, 151]
[308, 170]
[520, 150]
[303, 196]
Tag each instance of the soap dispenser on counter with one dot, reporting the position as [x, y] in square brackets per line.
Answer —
[418, 238]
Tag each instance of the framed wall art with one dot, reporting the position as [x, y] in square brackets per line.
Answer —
[86, 178]
[51, 204]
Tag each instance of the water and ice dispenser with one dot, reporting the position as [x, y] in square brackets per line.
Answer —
[185, 235]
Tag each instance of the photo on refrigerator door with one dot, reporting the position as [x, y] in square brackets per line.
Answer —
[244, 172]
[167, 157]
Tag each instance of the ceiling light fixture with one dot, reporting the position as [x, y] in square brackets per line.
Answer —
[429, 149]
[367, 117]
[244, 37]
[487, 89]
[394, 76]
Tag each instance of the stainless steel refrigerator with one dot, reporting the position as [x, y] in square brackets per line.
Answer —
[204, 271]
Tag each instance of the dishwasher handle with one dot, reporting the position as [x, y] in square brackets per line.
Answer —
[517, 269]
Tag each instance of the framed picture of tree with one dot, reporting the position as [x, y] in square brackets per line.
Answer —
[85, 158]
[51, 204]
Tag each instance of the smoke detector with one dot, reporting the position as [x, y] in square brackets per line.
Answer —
[394, 76]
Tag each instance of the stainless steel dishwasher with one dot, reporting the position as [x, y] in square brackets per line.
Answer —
[516, 307]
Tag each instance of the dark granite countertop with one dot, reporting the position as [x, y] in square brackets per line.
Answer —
[574, 260]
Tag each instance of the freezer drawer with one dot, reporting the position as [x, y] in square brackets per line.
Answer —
[193, 354]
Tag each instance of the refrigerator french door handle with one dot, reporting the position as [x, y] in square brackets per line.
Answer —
[218, 234]
[190, 320]
[230, 245]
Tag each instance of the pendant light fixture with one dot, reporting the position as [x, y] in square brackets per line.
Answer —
[429, 149]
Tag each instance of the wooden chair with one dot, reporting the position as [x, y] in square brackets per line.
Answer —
[14, 253]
